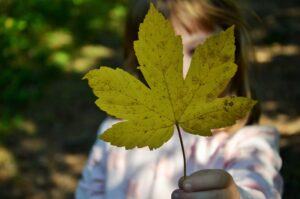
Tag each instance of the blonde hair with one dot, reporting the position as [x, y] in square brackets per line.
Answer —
[195, 15]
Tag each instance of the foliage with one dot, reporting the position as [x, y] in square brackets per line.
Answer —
[40, 38]
[192, 103]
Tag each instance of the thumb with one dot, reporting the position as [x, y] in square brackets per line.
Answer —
[180, 182]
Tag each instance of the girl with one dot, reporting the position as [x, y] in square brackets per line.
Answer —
[231, 166]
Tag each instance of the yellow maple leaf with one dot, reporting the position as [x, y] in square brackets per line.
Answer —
[151, 113]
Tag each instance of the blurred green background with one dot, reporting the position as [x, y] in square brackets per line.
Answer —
[48, 120]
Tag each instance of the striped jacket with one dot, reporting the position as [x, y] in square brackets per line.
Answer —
[250, 156]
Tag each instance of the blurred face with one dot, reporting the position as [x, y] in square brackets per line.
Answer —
[190, 42]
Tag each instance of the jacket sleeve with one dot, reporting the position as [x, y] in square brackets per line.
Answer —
[92, 183]
[252, 158]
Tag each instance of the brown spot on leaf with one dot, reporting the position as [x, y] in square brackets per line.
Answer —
[209, 97]
[226, 102]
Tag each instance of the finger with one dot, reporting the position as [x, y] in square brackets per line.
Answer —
[176, 193]
[212, 194]
[180, 182]
[206, 180]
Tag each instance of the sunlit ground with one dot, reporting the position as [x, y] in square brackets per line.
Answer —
[275, 77]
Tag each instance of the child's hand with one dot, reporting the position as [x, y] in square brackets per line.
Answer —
[207, 184]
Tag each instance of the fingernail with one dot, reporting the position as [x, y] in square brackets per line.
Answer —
[175, 195]
[187, 186]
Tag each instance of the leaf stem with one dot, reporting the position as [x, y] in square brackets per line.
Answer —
[182, 149]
